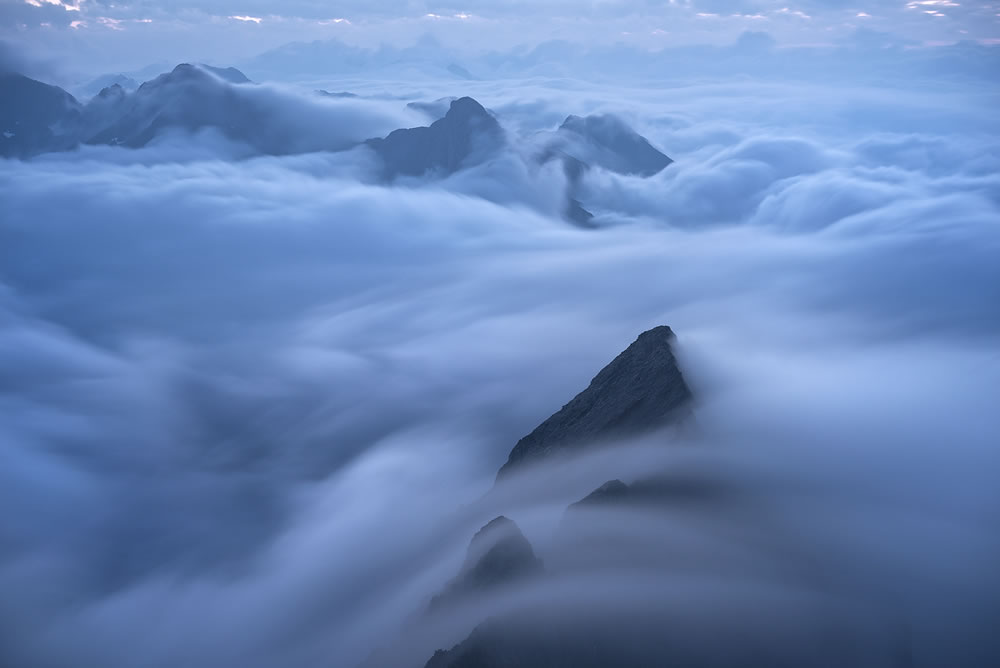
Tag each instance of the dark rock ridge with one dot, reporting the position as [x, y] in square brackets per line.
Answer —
[603, 141]
[45, 118]
[612, 490]
[467, 135]
[592, 638]
[189, 98]
[498, 554]
[35, 117]
[606, 141]
[640, 390]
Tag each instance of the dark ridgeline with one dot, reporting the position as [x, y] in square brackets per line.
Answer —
[612, 144]
[498, 554]
[467, 135]
[189, 98]
[640, 390]
[35, 117]
[603, 141]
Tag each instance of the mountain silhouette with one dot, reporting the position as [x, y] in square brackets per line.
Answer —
[467, 135]
[640, 390]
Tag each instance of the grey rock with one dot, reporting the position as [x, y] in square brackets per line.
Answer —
[553, 642]
[192, 98]
[498, 554]
[606, 141]
[640, 390]
[35, 117]
[612, 490]
[188, 98]
[467, 135]
[663, 488]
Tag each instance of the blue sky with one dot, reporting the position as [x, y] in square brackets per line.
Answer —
[130, 33]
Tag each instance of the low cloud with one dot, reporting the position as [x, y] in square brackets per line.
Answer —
[250, 406]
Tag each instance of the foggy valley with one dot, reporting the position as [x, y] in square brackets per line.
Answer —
[381, 337]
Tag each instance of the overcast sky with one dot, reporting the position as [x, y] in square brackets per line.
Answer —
[127, 34]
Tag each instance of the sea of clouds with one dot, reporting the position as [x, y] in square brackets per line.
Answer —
[249, 406]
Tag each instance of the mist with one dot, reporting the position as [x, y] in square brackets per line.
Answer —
[253, 401]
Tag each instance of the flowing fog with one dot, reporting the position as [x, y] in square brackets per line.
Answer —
[250, 406]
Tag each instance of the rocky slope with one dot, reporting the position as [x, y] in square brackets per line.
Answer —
[640, 390]
[467, 134]
[499, 554]
[35, 117]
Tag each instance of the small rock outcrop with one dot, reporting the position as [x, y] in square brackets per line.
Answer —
[640, 390]
[498, 554]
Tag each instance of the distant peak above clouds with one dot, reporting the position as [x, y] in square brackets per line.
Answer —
[467, 134]
[35, 116]
[606, 141]
[640, 390]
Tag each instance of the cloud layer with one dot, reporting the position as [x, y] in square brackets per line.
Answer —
[249, 406]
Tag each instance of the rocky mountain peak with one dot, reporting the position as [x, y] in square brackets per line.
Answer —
[642, 389]
[607, 141]
[498, 554]
[467, 134]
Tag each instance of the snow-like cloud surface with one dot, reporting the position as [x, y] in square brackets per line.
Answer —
[246, 407]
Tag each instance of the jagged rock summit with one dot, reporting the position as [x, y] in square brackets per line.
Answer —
[606, 141]
[465, 136]
[498, 554]
[640, 390]
[35, 117]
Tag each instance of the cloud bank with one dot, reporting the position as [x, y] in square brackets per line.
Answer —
[250, 407]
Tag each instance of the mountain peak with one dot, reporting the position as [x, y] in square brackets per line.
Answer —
[609, 142]
[189, 72]
[642, 389]
[467, 134]
[498, 554]
[465, 108]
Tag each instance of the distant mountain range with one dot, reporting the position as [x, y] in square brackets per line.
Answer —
[37, 118]
[866, 55]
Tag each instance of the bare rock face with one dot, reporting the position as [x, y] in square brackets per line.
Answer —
[498, 554]
[35, 117]
[640, 390]
[189, 98]
[606, 141]
[466, 135]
